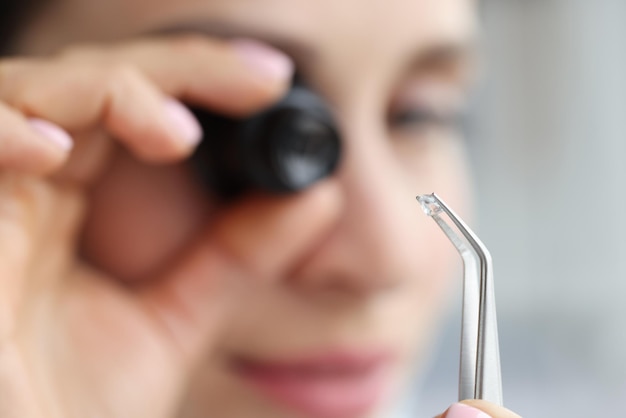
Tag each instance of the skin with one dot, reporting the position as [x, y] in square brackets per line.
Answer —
[95, 325]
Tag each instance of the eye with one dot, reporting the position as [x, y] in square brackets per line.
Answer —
[421, 106]
[420, 117]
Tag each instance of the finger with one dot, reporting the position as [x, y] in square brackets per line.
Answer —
[127, 88]
[33, 146]
[259, 240]
[118, 97]
[25, 206]
[237, 77]
[55, 247]
[90, 158]
[475, 408]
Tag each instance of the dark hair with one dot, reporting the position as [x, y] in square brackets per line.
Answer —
[14, 14]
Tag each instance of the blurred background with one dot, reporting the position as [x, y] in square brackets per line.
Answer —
[549, 151]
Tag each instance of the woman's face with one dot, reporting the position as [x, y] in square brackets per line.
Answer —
[338, 335]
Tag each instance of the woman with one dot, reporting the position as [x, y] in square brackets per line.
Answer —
[126, 292]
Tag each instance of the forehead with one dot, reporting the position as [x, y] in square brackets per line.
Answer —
[338, 36]
[365, 23]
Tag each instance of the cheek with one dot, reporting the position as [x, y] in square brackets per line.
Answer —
[140, 217]
[438, 165]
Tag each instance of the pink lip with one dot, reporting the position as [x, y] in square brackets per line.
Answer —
[335, 384]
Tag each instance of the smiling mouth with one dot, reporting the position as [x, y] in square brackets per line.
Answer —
[333, 384]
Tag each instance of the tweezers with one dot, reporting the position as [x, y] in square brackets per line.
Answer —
[479, 370]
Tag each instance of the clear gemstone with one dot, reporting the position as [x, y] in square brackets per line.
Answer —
[429, 204]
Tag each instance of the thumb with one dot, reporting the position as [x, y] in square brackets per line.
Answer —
[475, 408]
[259, 239]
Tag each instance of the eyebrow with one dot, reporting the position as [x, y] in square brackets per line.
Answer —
[445, 56]
[436, 57]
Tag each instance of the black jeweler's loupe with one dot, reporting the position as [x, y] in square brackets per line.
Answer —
[283, 149]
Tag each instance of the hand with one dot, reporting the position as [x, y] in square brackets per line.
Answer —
[477, 409]
[75, 341]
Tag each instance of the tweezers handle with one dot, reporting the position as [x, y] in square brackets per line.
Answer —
[479, 374]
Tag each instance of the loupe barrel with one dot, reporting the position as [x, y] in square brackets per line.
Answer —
[283, 149]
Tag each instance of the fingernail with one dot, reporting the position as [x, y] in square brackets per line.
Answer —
[264, 59]
[459, 410]
[52, 132]
[183, 121]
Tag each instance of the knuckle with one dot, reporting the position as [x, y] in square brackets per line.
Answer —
[193, 44]
[121, 76]
[25, 200]
[78, 52]
[8, 70]
[123, 72]
[10, 134]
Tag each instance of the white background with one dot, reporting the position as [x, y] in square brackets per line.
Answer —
[550, 162]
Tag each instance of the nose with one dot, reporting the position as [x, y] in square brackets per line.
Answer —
[376, 244]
